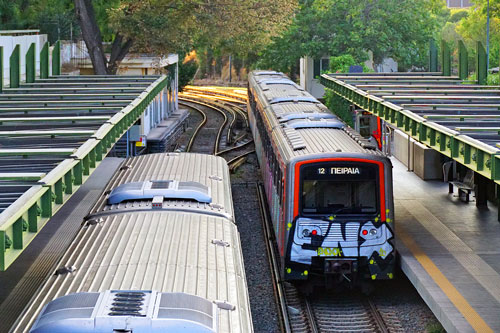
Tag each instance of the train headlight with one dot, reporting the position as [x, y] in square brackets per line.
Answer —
[373, 232]
[306, 233]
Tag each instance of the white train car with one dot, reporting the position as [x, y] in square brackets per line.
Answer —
[329, 190]
[159, 252]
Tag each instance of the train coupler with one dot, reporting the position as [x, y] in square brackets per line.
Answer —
[340, 266]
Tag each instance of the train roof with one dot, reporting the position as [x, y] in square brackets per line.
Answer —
[155, 250]
[182, 247]
[300, 123]
[206, 176]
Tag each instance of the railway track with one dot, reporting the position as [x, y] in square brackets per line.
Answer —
[236, 147]
[325, 312]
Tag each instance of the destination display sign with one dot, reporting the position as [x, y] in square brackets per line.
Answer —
[337, 170]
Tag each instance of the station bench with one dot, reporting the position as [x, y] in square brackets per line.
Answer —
[464, 187]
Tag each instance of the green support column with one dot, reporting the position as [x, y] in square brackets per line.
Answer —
[30, 64]
[433, 56]
[56, 59]
[463, 61]
[482, 68]
[44, 61]
[1, 69]
[15, 67]
[445, 59]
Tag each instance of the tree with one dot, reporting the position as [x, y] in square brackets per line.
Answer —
[388, 28]
[163, 26]
[472, 27]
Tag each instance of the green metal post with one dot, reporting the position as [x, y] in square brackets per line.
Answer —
[445, 59]
[30, 64]
[15, 67]
[56, 59]
[433, 56]
[44, 61]
[463, 61]
[1, 69]
[482, 67]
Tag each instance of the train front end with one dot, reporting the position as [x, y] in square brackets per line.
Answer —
[341, 225]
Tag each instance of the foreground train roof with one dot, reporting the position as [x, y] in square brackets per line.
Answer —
[462, 121]
[53, 134]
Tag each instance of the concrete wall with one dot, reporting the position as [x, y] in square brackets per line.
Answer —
[400, 150]
[307, 80]
[427, 162]
[9, 43]
[424, 161]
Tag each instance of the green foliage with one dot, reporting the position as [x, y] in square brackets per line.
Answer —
[388, 28]
[341, 64]
[187, 70]
[491, 79]
[469, 25]
[435, 327]
[339, 106]
[12, 14]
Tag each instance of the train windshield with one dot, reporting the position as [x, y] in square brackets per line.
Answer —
[339, 189]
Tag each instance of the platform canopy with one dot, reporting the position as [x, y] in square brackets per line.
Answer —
[460, 120]
[53, 134]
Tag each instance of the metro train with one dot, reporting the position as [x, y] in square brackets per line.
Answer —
[328, 189]
[158, 252]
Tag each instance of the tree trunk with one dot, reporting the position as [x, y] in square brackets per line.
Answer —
[118, 51]
[91, 35]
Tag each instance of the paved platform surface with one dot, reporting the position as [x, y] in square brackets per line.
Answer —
[22, 279]
[450, 250]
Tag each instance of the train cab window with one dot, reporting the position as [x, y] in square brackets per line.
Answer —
[328, 189]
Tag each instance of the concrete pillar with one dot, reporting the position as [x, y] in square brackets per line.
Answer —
[44, 61]
[433, 56]
[56, 59]
[445, 59]
[463, 61]
[481, 183]
[15, 67]
[482, 66]
[30, 64]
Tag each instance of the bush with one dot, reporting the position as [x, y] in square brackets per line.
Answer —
[187, 71]
[341, 64]
[339, 106]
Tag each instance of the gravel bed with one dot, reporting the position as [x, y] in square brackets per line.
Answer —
[258, 274]
[406, 304]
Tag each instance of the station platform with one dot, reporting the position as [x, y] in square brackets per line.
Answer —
[450, 251]
[163, 137]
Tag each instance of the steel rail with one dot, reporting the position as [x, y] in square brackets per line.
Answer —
[195, 133]
[219, 133]
[222, 97]
[234, 148]
[310, 316]
[279, 291]
[221, 106]
[379, 321]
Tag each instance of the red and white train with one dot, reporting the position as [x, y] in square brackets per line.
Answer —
[329, 190]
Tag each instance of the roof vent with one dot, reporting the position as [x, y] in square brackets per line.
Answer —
[168, 189]
[267, 73]
[294, 138]
[268, 82]
[137, 311]
[314, 123]
[306, 115]
[294, 99]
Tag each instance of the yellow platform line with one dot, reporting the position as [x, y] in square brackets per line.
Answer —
[474, 319]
